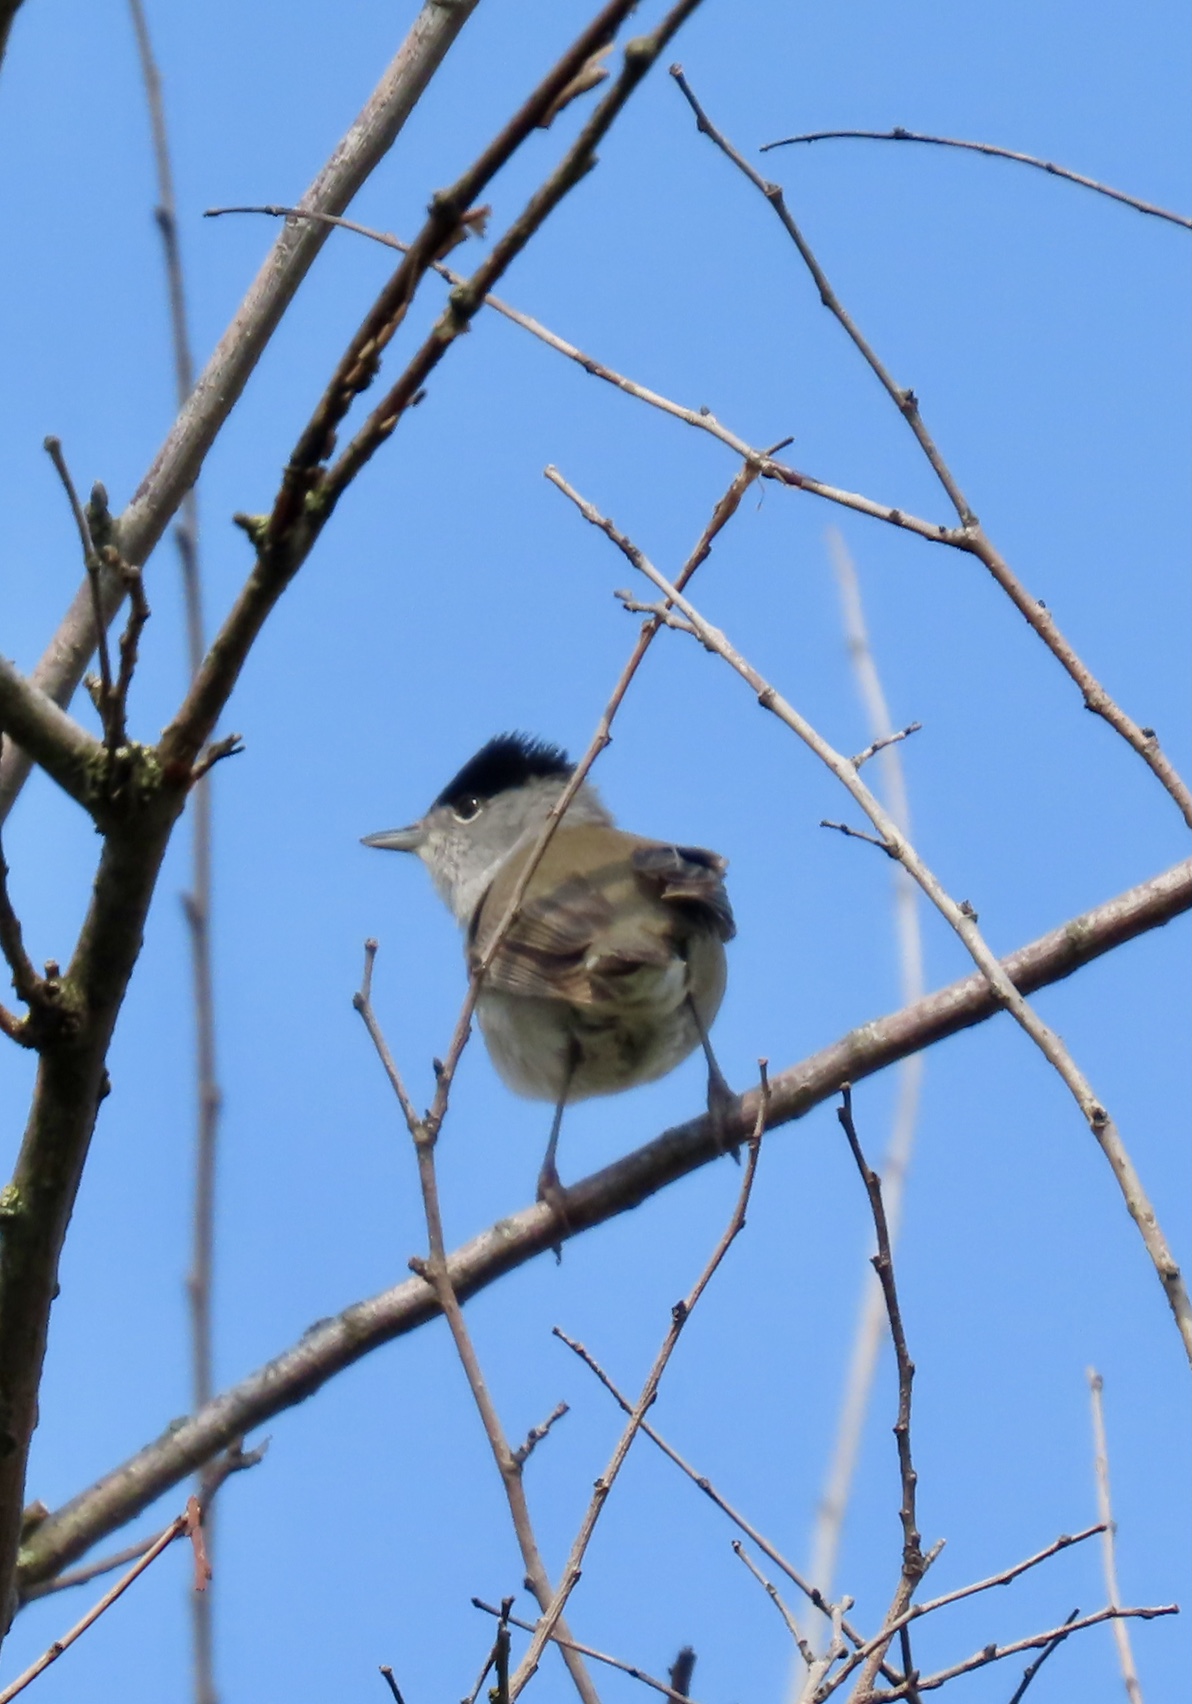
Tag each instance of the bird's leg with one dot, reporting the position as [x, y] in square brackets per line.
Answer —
[550, 1189]
[721, 1099]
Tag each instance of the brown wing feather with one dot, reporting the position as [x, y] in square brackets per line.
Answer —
[544, 952]
[689, 875]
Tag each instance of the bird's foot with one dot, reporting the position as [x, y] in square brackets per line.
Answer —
[722, 1105]
[551, 1191]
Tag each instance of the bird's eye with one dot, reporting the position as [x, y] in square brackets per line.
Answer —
[466, 808]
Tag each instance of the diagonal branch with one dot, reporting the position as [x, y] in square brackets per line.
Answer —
[222, 381]
[961, 916]
[310, 490]
[971, 537]
[680, 1314]
[338, 1342]
[435, 1270]
[48, 736]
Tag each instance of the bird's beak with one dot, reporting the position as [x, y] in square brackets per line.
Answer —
[397, 839]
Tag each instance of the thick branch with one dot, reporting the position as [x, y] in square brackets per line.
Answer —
[47, 735]
[71, 1082]
[337, 1343]
[177, 463]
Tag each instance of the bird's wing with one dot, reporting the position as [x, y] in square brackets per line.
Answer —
[578, 941]
[544, 952]
[691, 877]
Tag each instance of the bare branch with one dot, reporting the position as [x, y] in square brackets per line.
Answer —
[971, 536]
[813, 1595]
[1032, 1669]
[1121, 1633]
[47, 735]
[91, 563]
[181, 1524]
[177, 463]
[762, 461]
[338, 1342]
[771, 1591]
[435, 1270]
[552, 1613]
[884, 743]
[537, 1433]
[898, 134]
[310, 489]
[914, 1563]
[904, 400]
[674, 1691]
[387, 1677]
[959, 915]
[996, 1653]
[869, 1331]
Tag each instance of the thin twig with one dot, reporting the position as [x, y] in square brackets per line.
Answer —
[884, 743]
[869, 1331]
[387, 1677]
[971, 536]
[332, 1344]
[771, 1591]
[1121, 1632]
[1032, 1669]
[856, 833]
[996, 1653]
[436, 1273]
[535, 1435]
[53, 448]
[196, 903]
[702, 419]
[182, 1523]
[959, 915]
[497, 1657]
[810, 1591]
[92, 1571]
[904, 400]
[914, 1563]
[898, 134]
[679, 1317]
[631, 1669]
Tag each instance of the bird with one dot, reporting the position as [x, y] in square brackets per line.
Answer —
[614, 968]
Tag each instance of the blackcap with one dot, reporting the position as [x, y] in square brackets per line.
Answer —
[614, 968]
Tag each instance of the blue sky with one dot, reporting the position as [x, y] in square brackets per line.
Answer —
[457, 594]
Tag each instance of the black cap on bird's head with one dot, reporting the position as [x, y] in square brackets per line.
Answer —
[506, 762]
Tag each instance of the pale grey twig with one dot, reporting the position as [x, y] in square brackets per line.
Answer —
[1121, 1632]
[771, 1591]
[868, 1332]
[197, 903]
